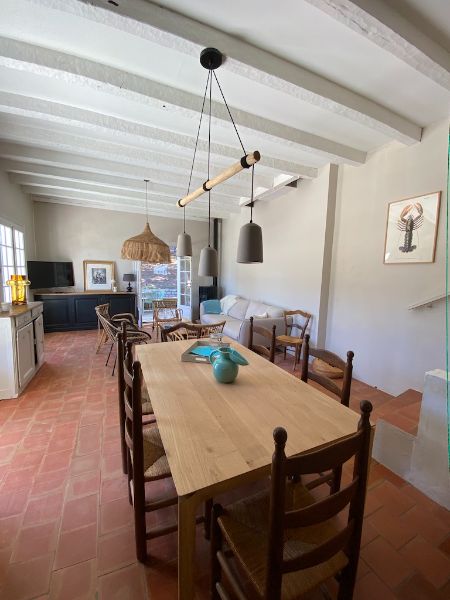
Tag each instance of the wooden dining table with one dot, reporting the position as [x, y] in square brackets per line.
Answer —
[219, 436]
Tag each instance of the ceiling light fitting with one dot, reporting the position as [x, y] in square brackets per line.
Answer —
[211, 59]
[146, 246]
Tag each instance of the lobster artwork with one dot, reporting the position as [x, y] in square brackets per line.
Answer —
[410, 219]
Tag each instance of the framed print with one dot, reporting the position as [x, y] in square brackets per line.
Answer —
[98, 274]
[411, 229]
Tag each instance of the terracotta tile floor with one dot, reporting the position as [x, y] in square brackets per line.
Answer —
[66, 529]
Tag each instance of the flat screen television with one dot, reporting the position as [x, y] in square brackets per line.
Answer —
[43, 274]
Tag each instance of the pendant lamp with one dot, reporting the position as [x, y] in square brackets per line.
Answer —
[184, 242]
[146, 246]
[250, 250]
[250, 244]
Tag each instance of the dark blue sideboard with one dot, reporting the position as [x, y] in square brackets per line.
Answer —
[74, 311]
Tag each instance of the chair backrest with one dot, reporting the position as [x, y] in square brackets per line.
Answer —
[333, 360]
[180, 331]
[132, 376]
[291, 321]
[346, 539]
[167, 313]
[111, 329]
[269, 334]
[206, 330]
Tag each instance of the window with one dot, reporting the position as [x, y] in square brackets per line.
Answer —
[12, 257]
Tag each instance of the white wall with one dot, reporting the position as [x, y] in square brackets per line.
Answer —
[294, 237]
[16, 208]
[72, 233]
[368, 311]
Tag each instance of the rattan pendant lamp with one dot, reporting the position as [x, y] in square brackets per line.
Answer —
[146, 246]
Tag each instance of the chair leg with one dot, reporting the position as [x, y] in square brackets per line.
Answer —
[109, 354]
[140, 526]
[114, 365]
[347, 582]
[216, 546]
[207, 524]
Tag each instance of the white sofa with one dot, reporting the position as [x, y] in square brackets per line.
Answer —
[237, 316]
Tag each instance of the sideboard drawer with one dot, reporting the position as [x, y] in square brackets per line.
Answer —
[37, 311]
[23, 319]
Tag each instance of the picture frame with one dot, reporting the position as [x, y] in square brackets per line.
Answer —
[411, 229]
[98, 274]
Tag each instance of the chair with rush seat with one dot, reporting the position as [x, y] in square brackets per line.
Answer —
[286, 541]
[287, 340]
[267, 350]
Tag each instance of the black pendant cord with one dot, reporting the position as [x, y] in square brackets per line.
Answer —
[146, 198]
[209, 158]
[251, 200]
[229, 113]
[198, 131]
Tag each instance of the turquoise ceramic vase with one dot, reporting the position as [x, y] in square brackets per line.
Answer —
[224, 368]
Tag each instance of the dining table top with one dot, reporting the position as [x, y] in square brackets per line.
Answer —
[213, 432]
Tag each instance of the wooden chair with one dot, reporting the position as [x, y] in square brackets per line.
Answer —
[146, 460]
[343, 393]
[112, 329]
[335, 361]
[286, 541]
[269, 351]
[147, 408]
[169, 303]
[291, 341]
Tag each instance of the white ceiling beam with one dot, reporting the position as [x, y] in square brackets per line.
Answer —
[101, 78]
[168, 207]
[128, 150]
[380, 23]
[155, 191]
[100, 178]
[276, 132]
[170, 214]
[245, 60]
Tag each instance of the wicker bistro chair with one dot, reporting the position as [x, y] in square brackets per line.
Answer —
[187, 331]
[103, 310]
[180, 331]
[286, 541]
[147, 408]
[288, 340]
[170, 303]
[268, 351]
[112, 329]
[164, 315]
[146, 463]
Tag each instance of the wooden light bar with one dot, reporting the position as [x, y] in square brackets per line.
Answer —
[245, 163]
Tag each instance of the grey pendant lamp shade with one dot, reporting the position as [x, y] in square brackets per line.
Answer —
[209, 262]
[250, 244]
[146, 246]
[184, 242]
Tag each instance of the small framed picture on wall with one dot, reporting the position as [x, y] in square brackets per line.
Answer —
[98, 274]
[411, 229]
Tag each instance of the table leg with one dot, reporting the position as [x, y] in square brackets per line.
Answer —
[187, 507]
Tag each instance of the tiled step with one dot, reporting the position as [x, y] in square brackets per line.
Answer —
[403, 411]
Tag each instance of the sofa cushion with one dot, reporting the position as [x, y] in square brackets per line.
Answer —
[239, 309]
[211, 319]
[274, 312]
[212, 307]
[227, 302]
[232, 328]
[255, 309]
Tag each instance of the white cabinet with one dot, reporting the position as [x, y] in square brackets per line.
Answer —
[26, 360]
[39, 339]
[21, 347]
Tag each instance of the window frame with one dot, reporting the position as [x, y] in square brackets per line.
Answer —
[17, 268]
